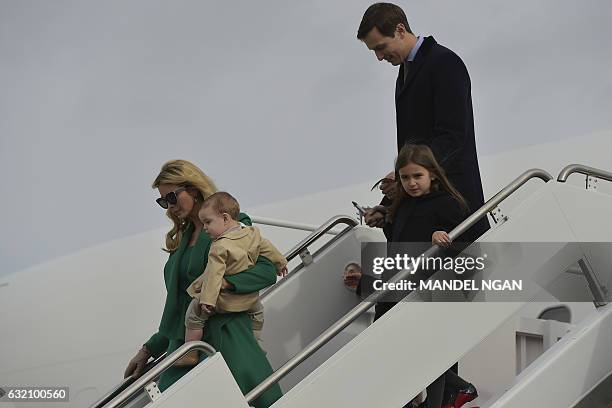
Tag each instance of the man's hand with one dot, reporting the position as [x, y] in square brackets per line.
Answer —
[441, 238]
[375, 217]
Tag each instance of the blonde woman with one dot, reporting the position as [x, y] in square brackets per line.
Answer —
[183, 187]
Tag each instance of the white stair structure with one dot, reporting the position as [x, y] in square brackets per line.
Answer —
[514, 356]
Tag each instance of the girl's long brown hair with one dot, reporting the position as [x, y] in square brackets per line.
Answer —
[423, 156]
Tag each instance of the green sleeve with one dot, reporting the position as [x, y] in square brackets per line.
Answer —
[157, 344]
[257, 277]
[245, 219]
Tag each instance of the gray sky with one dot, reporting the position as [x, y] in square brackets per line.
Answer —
[272, 99]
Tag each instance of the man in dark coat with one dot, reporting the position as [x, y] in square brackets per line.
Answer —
[433, 100]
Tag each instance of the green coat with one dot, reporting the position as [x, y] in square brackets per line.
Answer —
[231, 334]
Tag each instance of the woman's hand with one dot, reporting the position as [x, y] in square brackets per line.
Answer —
[225, 285]
[137, 363]
[352, 276]
[441, 238]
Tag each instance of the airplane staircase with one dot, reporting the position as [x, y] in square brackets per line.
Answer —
[325, 351]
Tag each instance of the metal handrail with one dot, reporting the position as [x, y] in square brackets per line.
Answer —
[365, 305]
[124, 384]
[112, 393]
[287, 224]
[166, 363]
[582, 169]
[319, 232]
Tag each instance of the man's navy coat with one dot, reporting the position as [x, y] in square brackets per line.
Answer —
[434, 107]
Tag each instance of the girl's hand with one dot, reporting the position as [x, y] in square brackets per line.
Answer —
[441, 238]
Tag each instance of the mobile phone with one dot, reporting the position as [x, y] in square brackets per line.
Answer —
[359, 208]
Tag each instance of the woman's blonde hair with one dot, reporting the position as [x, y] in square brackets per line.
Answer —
[423, 156]
[183, 174]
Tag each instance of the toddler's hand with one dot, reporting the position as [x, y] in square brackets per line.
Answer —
[441, 238]
[206, 309]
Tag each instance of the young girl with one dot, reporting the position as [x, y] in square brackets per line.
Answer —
[425, 209]
[426, 206]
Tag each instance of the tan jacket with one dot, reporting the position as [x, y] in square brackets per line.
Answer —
[232, 253]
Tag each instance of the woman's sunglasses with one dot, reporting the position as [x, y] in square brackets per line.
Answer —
[170, 199]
